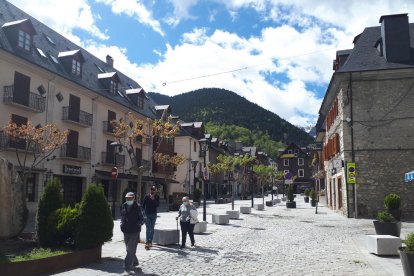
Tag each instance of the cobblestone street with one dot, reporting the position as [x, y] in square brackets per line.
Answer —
[277, 241]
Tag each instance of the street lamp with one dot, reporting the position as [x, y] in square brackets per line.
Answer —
[194, 164]
[114, 145]
[204, 146]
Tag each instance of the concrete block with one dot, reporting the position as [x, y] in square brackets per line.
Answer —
[277, 200]
[383, 244]
[259, 207]
[200, 227]
[245, 209]
[166, 236]
[220, 219]
[233, 214]
[269, 203]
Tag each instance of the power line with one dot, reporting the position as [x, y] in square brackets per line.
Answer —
[248, 67]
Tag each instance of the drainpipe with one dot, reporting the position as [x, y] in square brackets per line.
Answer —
[354, 191]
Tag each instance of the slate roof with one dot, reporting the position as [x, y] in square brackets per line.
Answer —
[365, 57]
[53, 45]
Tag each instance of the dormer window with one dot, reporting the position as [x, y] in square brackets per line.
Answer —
[141, 98]
[24, 40]
[76, 67]
[110, 81]
[113, 87]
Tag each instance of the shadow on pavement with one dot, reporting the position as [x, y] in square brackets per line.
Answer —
[115, 265]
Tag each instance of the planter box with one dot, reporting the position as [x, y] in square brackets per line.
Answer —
[407, 261]
[200, 227]
[245, 209]
[52, 264]
[383, 244]
[291, 204]
[387, 228]
[233, 214]
[313, 202]
[306, 199]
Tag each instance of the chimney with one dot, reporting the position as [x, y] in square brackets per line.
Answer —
[109, 61]
[395, 37]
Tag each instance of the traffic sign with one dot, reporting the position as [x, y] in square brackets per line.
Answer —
[288, 176]
[114, 173]
[351, 172]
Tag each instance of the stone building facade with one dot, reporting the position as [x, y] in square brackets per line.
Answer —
[367, 117]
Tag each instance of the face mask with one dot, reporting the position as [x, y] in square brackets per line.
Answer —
[129, 202]
[185, 203]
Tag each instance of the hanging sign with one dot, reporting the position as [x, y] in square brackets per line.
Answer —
[351, 172]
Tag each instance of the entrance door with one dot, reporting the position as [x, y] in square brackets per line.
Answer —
[339, 193]
[21, 91]
[74, 108]
[72, 189]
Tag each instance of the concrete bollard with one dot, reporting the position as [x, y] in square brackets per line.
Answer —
[200, 227]
[220, 219]
[245, 209]
[233, 214]
[259, 207]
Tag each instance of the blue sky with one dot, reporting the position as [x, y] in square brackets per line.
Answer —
[283, 48]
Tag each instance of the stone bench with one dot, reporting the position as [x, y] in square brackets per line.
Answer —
[259, 207]
[383, 244]
[200, 227]
[233, 214]
[166, 236]
[220, 218]
[245, 209]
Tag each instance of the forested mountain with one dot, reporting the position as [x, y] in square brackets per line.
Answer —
[223, 107]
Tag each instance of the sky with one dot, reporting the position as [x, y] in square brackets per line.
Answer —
[275, 53]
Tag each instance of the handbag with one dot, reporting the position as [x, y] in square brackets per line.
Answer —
[193, 216]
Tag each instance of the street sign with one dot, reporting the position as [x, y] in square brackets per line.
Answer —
[288, 176]
[114, 173]
[351, 172]
[317, 146]
[288, 181]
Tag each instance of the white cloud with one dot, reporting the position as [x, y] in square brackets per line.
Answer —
[134, 8]
[63, 16]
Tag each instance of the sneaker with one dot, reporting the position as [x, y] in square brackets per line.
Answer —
[150, 243]
[193, 245]
[182, 246]
[136, 263]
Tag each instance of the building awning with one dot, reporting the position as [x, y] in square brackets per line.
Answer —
[132, 177]
[409, 176]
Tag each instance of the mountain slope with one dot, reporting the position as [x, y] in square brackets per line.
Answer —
[221, 106]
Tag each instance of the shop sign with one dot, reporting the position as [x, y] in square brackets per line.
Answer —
[69, 169]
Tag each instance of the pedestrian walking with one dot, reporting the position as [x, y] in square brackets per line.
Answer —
[150, 205]
[131, 221]
[188, 218]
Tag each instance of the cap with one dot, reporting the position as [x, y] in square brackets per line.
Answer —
[130, 194]
[153, 188]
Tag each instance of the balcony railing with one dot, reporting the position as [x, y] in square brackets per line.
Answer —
[108, 158]
[75, 152]
[81, 118]
[35, 102]
[6, 143]
[107, 127]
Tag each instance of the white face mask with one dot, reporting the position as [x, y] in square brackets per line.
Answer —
[129, 202]
[185, 203]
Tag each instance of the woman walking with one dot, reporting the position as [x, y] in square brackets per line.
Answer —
[187, 223]
[150, 205]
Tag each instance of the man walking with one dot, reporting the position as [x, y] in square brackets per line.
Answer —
[150, 205]
[131, 221]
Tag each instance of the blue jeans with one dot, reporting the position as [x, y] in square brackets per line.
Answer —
[150, 224]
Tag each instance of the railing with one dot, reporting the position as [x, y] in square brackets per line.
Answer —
[108, 158]
[6, 143]
[82, 118]
[35, 102]
[75, 152]
[107, 127]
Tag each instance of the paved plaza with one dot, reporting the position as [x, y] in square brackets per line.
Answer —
[276, 241]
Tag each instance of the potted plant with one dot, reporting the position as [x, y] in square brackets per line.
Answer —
[387, 225]
[312, 195]
[407, 255]
[307, 193]
[392, 203]
[291, 199]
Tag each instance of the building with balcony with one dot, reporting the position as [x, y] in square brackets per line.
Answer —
[46, 78]
[367, 118]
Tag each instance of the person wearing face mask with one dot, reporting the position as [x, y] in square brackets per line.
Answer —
[131, 221]
[186, 221]
[150, 205]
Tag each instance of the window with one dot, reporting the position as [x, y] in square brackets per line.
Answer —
[301, 161]
[289, 151]
[285, 162]
[113, 87]
[24, 40]
[41, 53]
[301, 173]
[49, 39]
[141, 101]
[195, 146]
[76, 67]
[30, 187]
[296, 151]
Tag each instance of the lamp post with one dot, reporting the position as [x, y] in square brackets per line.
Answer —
[114, 175]
[204, 146]
[194, 164]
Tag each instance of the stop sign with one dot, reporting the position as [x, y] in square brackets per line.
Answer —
[114, 172]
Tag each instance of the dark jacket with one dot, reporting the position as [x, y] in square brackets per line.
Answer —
[150, 205]
[131, 218]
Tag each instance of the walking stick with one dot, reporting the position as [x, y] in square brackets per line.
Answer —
[178, 234]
